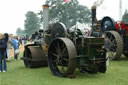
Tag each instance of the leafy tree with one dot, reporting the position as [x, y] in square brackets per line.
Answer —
[19, 31]
[68, 13]
[125, 17]
[32, 23]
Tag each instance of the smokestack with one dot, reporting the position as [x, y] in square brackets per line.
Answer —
[93, 14]
[95, 5]
[45, 17]
[120, 10]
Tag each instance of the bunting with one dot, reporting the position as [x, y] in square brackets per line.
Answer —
[67, 1]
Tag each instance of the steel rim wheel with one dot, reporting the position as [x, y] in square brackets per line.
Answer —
[115, 45]
[61, 57]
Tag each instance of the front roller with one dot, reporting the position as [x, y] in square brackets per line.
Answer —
[34, 57]
[61, 57]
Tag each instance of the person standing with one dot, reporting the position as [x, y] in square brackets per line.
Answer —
[20, 40]
[24, 40]
[3, 46]
[9, 47]
[106, 46]
[15, 43]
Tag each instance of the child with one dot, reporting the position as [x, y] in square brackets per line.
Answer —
[3, 46]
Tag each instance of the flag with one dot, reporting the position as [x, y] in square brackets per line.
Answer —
[67, 1]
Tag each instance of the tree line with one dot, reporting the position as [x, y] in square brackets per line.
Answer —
[59, 11]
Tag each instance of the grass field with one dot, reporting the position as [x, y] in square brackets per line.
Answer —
[18, 74]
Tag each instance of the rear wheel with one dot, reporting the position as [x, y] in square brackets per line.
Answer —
[115, 45]
[61, 57]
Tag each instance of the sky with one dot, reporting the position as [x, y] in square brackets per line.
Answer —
[12, 12]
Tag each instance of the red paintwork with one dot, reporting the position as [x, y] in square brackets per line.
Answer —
[122, 25]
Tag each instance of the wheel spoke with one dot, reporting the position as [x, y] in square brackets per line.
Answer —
[111, 38]
[58, 46]
[65, 59]
[56, 60]
[54, 54]
[63, 51]
[113, 49]
[113, 41]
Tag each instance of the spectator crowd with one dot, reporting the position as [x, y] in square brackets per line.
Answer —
[7, 42]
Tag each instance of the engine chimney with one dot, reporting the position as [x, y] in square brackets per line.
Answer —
[45, 17]
[93, 15]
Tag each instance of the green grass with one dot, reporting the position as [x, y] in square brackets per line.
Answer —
[18, 74]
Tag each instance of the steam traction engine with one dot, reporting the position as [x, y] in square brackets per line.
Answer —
[66, 51]
[116, 34]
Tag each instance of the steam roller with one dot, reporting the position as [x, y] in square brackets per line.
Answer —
[69, 50]
[116, 34]
[64, 50]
